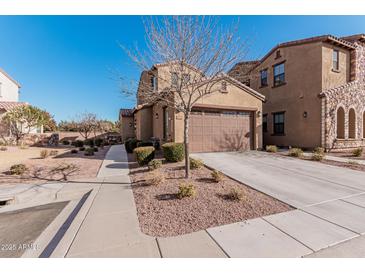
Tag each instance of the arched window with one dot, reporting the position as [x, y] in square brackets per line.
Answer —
[340, 123]
[352, 124]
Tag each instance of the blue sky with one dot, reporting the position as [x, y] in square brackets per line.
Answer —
[68, 64]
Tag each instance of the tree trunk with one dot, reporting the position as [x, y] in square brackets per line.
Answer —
[186, 145]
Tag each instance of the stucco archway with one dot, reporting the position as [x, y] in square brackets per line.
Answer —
[352, 124]
[340, 123]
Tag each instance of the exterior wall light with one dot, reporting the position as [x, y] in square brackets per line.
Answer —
[156, 115]
[305, 114]
[259, 114]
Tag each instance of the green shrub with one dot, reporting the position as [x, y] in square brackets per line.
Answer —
[74, 151]
[53, 153]
[3, 148]
[186, 190]
[352, 162]
[130, 144]
[272, 149]
[317, 156]
[154, 164]
[173, 152]
[196, 163]
[357, 152]
[89, 142]
[19, 169]
[95, 149]
[296, 152]
[66, 142]
[23, 146]
[235, 195]
[144, 144]
[217, 176]
[144, 155]
[156, 177]
[89, 151]
[44, 153]
[79, 143]
[98, 142]
[81, 148]
[319, 150]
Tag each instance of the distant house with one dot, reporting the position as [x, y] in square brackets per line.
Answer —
[9, 99]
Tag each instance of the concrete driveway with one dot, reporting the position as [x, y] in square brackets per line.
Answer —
[330, 204]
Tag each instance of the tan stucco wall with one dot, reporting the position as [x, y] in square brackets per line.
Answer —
[303, 76]
[127, 128]
[143, 122]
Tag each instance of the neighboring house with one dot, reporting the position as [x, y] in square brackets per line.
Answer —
[126, 120]
[314, 90]
[227, 120]
[9, 99]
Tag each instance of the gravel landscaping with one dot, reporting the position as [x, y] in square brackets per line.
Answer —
[162, 214]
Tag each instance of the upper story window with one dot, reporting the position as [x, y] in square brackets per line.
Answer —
[263, 77]
[278, 54]
[154, 83]
[174, 79]
[335, 59]
[279, 74]
[279, 119]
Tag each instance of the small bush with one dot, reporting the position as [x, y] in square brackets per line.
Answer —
[22, 146]
[44, 153]
[235, 195]
[145, 144]
[352, 162]
[81, 148]
[156, 177]
[89, 151]
[196, 163]
[66, 142]
[53, 153]
[217, 176]
[154, 164]
[96, 149]
[272, 149]
[74, 151]
[173, 152]
[296, 152]
[319, 150]
[130, 144]
[89, 142]
[79, 143]
[317, 156]
[19, 169]
[357, 152]
[186, 190]
[144, 155]
[98, 142]
[3, 148]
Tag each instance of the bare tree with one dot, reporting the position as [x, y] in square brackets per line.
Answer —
[197, 51]
[85, 124]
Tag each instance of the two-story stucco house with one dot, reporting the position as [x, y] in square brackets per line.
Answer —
[226, 120]
[314, 90]
[9, 99]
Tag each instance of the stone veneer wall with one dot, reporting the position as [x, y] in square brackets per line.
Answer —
[350, 95]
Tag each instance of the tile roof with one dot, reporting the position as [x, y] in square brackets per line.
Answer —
[9, 77]
[9, 105]
[126, 112]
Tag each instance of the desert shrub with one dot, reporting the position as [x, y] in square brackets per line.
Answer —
[154, 164]
[22, 146]
[352, 162]
[173, 152]
[144, 155]
[186, 190]
[144, 144]
[317, 156]
[130, 144]
[44, 153]
[235, 195]
[319, 150]
[89, 151]
[53, 153]
[156, 177]
[357, 152]
[65, 170]
[272, 149]
[81, 148]
[3, 148]
[196, 163]
[66, 142]
[217, 176]
[98, 142]
[295, 152]
[96, 149]
[18, 169]
[74, 151]
[79, 143]
[89, 142]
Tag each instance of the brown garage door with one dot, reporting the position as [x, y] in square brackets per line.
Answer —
[220, 131]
